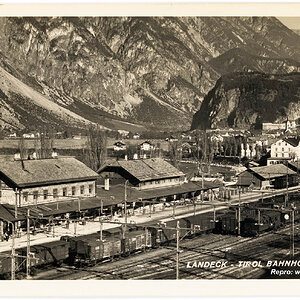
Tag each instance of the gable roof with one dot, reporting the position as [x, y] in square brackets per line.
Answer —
[272, 171]
[28, 173]
[119, 143]
[146, 142]
[292, 141]
[294, 164]
[146, 169]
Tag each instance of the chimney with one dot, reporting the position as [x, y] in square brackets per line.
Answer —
[54, 154]
[17, 156]
[106, 184]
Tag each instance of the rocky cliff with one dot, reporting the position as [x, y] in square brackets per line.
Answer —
[245, 100]
[126, 71]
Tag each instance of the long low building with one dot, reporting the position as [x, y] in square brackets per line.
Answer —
[142, 173]
[273, 176]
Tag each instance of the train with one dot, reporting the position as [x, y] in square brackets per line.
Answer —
[89, 249]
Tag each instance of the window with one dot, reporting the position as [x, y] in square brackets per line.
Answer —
[82, 189]
[25, 197]
[276, 149]
[55, 193]
[90, 188]
[64, 192]
[35, 195]
[73, 190]
[276, 155]
[282, 149]
[45, 194]
[279, 144]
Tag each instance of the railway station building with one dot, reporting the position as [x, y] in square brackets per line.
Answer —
[40, 181]
[45, 186]
[150, 181]
[142, 174]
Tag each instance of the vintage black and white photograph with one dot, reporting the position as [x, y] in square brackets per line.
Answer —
[149, 148]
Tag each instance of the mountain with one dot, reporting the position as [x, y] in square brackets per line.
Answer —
[296, 31]
[131, 73]
[247, 99]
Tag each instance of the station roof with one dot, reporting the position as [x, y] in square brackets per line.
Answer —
[146, 169]
[27, 173]
[111, 197]
[117, 192]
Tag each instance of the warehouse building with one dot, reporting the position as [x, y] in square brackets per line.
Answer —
[265, 177]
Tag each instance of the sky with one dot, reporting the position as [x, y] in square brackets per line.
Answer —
[291, 22]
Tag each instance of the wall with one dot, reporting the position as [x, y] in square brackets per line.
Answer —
[246, 179]
[273, 126]
[160, 183]
[9, 196]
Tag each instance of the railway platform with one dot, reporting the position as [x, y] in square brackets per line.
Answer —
[139, 217]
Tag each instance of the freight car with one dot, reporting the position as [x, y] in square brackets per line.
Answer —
[89, 249]
[54, 253]
[253, 221]
[165, 232]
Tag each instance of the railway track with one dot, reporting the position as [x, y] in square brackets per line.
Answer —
[161, 263]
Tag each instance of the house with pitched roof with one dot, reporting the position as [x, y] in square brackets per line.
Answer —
[29, 182]
[284, 150]
[142, 174]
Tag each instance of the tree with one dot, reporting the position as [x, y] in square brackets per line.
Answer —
[95, 152]
[22, 149]
[46, 140]
[175, 152]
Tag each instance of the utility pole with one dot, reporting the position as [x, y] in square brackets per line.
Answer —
[287, 186]
[28, 246]
[13, 263]
[214, 213]
[293, 231]
[101, 229]
[177, 251]
[239, 214]
[125, 209]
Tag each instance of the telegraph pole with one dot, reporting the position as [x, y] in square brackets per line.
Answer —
[239, 214]
[293, 231]
[28, 246]
[101, 229]
[13, 263]
[177, 251]
[287, 186]
[125, 209]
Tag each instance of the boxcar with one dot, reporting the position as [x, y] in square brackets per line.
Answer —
[89, 249]
[5, 264]
[136, 240]
[50, 253]
[228, 223]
